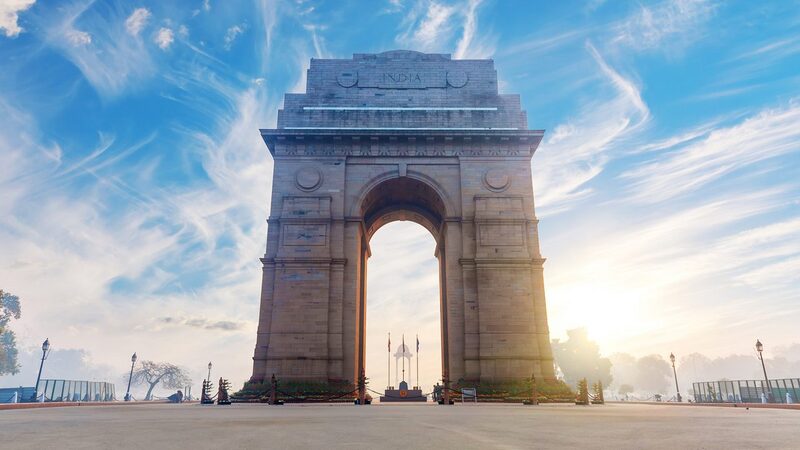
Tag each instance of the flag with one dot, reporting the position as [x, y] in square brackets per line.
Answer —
[404, 345]
[390, 343]
[417, 343]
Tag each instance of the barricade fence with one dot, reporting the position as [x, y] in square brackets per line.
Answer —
[75, 391]
[783, 390]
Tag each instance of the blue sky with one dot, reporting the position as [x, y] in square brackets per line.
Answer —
[135, 185]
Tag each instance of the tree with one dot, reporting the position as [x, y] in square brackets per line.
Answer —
[623, 369]
[9, 309]
[167, 375]
[653, 374]
[578, 357]
[625, 389]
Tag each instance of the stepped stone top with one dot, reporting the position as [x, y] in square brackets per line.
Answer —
[402, 90]
[408, 55]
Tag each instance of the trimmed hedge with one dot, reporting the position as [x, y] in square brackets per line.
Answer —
[297, 391]
[518, 391]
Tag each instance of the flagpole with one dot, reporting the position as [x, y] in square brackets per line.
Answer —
[418, 362]
[404, 356]
[389, 363]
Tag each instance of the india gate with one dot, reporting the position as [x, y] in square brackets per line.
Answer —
[402, 135]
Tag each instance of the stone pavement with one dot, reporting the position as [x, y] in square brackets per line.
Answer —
[460, 427]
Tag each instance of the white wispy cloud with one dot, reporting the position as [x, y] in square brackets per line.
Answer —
[113, 221]
[9, 15]
[625, 86]
[579, 150]
[227, 325]
[78, 38]
[658, 264]
[428, 26]
[722, 93]
[544, 42]
[319, 43]
[664, 25]
[204, 7]
[158, 227]
[268, 13]
[434, 26]
[113, 62]
[393, 7]
[772, 50]
[751, 67]
[302, 64]
[164, 38]
[469, 45]
[137, 21]
[687, 168]
[231, 34]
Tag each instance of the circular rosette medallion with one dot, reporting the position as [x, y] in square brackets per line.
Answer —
[308, 178]
[496, 180]
[347, 79]
[457, 79]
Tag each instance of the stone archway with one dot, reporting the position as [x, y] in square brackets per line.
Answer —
[402, 135]
[403, 198]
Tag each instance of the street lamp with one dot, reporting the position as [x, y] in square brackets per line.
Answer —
[45, 351]
[674, 372]
[209, 371]
[128, 393]
[760, 349]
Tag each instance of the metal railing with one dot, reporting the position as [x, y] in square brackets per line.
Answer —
[783, 390]
[75, 391]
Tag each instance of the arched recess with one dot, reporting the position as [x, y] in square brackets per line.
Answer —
[390, 200]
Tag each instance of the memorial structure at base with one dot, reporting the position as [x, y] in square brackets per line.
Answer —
[402, 135]
[403, 394]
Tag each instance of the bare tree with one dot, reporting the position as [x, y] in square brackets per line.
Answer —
[167, 375]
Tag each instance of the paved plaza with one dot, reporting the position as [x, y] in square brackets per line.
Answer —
[464, 427]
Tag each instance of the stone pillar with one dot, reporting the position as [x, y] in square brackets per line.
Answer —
[352, 292]
[452, 285]
[265, 312]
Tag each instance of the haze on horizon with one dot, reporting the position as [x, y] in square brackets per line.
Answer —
[135, 187]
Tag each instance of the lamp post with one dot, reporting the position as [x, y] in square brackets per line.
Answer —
[760, 349]
[45, 351]
[128, 393]
[209, 372]
[675, 373]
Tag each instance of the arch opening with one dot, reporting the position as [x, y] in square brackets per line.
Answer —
[399, 200]
[403, 199]
[403, 298]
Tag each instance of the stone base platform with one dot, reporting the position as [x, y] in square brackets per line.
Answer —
[404, 394]
[413, 395]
